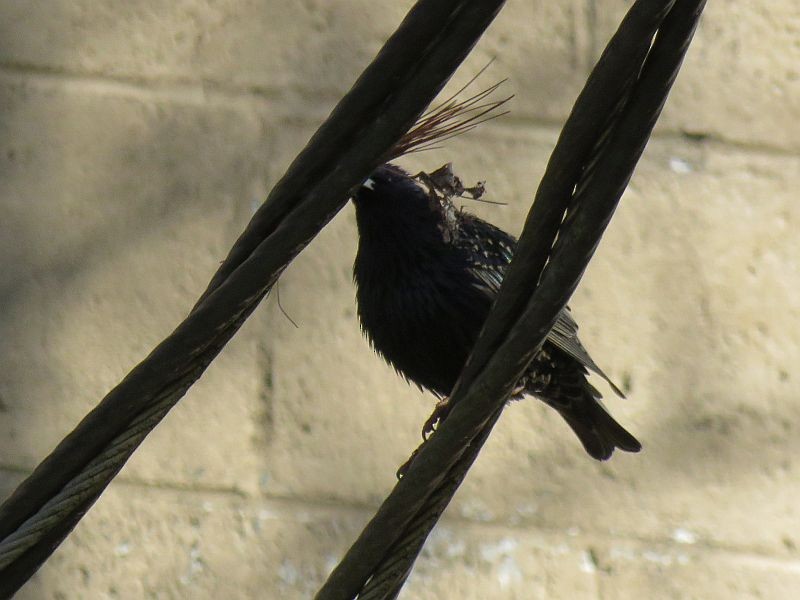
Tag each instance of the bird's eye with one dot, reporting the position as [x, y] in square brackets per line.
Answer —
[369, 183]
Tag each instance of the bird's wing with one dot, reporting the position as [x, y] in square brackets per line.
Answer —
[490, 251]
[564, 335]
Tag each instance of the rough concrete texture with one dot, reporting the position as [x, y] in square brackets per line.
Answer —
[138, 137]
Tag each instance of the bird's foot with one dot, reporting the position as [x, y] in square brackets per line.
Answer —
[401, 472]
[438, 415]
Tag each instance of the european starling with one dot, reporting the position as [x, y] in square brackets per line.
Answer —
[426, 275]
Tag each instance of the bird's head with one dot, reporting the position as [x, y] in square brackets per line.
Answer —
[391, 204]
[388, 184]
[395, 208]
[392, 193]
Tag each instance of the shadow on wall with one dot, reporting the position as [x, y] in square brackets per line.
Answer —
[115, 207]
[110, 207]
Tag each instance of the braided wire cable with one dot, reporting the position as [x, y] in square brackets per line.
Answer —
[391, 575]
[421, 55]
[82, 487]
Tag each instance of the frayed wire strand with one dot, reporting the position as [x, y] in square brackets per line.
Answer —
[443, 126]
[460, 91]
[450, 118]
[280, 306]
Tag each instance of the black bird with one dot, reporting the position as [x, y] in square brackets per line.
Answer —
[426, 275]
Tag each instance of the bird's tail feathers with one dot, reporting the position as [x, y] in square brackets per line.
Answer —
[597, 430]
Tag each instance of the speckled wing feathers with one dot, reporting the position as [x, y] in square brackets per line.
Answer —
[490, 249]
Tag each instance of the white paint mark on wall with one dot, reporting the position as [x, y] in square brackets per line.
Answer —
[587, 563]
[288, 573]
[680, 165]
[508, 572]
[684, 536]
[505, 547]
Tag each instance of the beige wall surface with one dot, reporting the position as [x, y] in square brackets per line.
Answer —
[137, 138]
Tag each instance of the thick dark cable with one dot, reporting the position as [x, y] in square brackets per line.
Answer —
[592, 117]
[470, 421]
[315, 188]
[390, 576]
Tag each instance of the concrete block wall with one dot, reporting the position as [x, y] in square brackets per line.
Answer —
[138, 137]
